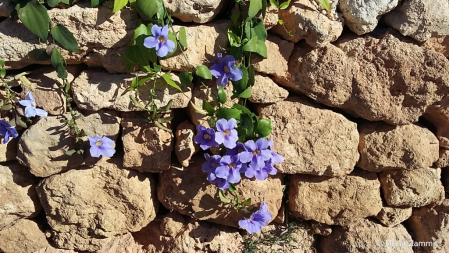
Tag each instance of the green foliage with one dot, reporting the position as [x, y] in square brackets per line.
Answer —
[235, 200]
[254, 7]
[119, 4]
[221, 95]
[64, 37]
[58, 63]
[54, 3]
[168, 79]
[325, 4]
[183, 37]
[203, 71]
[94, 3]
[263, 128]
[35, 17]
[186, 78]
[39, 54]
[148, 9]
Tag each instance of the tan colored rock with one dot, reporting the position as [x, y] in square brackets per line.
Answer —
[445, 178]
[185, 146]
[107, 58]
[201, 93]
[24, 236]
[43, 145]
[278, 51]
[302, 240]
[385, 147]
[123, 243]
[187, 191]
[147, 148]
[93, 28]
[412, 188]
[320, 229]
[430, 225]
[375, 79]
[266, 91]
[198, 11]
[366, 236]
[172, 224]
[195, 236]
[87, 207]
[391, 216]
[313, 140]
[438, 115]
[420, 19]
[337, 200]
[51, 249]
[443, 161]
[95, 90]
[304, 21]
[8, 151]
[439, 44]
[18, 194]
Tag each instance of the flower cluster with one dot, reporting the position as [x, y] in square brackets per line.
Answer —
[254, 159]
[257, 220]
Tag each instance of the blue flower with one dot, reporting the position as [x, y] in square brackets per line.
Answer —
[237, 150]
[160, 41]
[224, 69]
[228, 171]
[226, 133]
[101, 146]
[257, 153]
[211, 163]
[261, 174]
[205, 137]
[7, 130]
[257, 220]
[30, 107]
[275, 157]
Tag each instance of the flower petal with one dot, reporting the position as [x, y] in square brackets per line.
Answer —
[261, 175]
[230, 142]
[93, 140]
[229, 61]
[234, 176]
[29, 96]
[95, 151]
[231, 124]
[156, 30]
[221, 125]
[170, 45]
[245, 156]
[41, 113]
[235, 74]
[250, 145]
[216, 70]
[164, 31]
[25, 102]
[222, 80]
[150, 42]
[106, 142]
[162, 51]
[6, 138]
[261, 144]
[250, 172]
[223, 184]
[265, 154]
[222, 172]
[30, 111]
[107, 151]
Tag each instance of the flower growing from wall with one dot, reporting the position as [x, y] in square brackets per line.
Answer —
[30, 107]
[205, 137]
[101, 146]
[224, 70]
[226, 133]
[257, 220]
[257, 153]
[160, 41]
[7, 130]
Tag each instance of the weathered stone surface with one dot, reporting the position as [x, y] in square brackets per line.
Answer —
[42, 146]
[443, 161]
[392, 216]
[303, 20]
[18, 194]
[431, 225]
[385, 147]
[337, 200]
[107, 58]
[187, 191]
[87, 207]
[192, 236]
[376, 79]
[147, 147]
[313, 140]
[50, 249]
[124, 243]
[95, 90]
[278, 51]
[93, 28]
[302, 240]
[361, 16]
[445, 178]
[266, 91]
[201, 93]
[8, 151]
[198, 11]
[412, 188]
[24, 236]
[366, 236]
[439, 44]
[420, 19]
[5, 7]
[185, 146]
[438, 115]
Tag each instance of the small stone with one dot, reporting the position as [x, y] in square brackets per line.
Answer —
[185, 146]
[122, 243]
[445, 178]
[439, 44]
[266, 91]
[412, 188]
[24, 236]
[317, 228]
[302, 240]
[198, 11]
[8, 151]
[443, 161]
[392, 216]
[172, 224]
[335, 200]
[438, 115]
[278, 51]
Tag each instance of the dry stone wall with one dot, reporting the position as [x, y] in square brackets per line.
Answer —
[358, 98]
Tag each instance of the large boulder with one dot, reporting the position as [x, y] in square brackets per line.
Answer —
[24, 236]
[367, 236]
[385, 147]
[266, 91]
[420, 19]
[187, 191]
[375, 79]
[42, 146]
[312, 139]
[18, 194]
[95, 90]
[335, 200]
[412, 188]
[303, 20]
[198, 11]
[87, 207]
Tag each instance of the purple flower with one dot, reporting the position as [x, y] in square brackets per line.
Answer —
[101, 146]
[224, 69]
[257, 220]
[210, 165]
[160, 41]
[226, 133]
[275, 157]
[237, 150]
[30, 107]
[257, 153]
[7, 130]
[205, 137]
[228, 171]
[261, 174]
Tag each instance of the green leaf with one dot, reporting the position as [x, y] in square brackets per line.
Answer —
[186, 78]
[39, 54]
[136, 103]
[240, 85]
[325, 4]
[141, 30]
[2, 62]
[228, 113]
[264, 8]
[94, 3]
[58, 62]
[147, 8]
[234, 39]
[246, 122]
[130, 64]
[261, 49]
[54, 3]
[161, 126]
[246, 93]
[35, 17]
[134, 83]
[119, 4]
[197, 109]
[221, 95]
[274, 3]
[242, 108]
[263, 128]
[247, 202]
[61, 72]
[285, 5]
[208, 107]
[183, 37]
[222, 197]
[168, 79]
[166, 107]
[67, 87]
[254, 7]
[251, 46]
[203, 72]
[64, 37]
[251, 75]
[255, 28]
[70, 152]
[232, 188]
[7, 107]
[2, 72]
